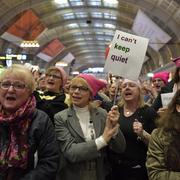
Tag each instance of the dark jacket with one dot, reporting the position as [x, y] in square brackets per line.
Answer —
[50, 102]
[167, 89]
[42, 141]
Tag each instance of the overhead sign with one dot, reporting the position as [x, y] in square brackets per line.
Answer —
[68, 58]
[51, 50]
[27, 27]
[145, 27]
[126, 55]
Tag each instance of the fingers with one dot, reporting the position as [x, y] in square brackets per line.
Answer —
[110, 132]
[161, 110]
[113, 114]
[137, 127]
[115, 107]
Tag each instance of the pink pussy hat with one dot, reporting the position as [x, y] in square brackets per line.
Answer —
[94, 83]
[164, 76]
[177, 61]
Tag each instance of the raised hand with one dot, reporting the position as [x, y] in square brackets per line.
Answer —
[138, 128]
[112, 124]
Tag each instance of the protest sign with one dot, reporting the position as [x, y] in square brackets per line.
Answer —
[126, 55]
[166, 98]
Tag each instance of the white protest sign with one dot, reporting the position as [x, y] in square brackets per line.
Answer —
[166, 98]
[126, 55]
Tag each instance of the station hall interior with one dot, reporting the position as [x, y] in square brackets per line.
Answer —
[77, 33]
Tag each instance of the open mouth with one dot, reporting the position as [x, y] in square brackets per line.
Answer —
[128, 94]
[51, 83]
[10, 98]
[76, 98]
[158, 87]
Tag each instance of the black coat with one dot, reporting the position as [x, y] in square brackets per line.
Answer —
[42, 139]
[50, 102]
[167, 89]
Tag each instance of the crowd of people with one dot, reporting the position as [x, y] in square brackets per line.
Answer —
[59, 128]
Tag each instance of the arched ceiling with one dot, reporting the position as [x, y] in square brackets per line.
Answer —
[86, 27]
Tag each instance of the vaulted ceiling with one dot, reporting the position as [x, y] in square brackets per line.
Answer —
[86, 28]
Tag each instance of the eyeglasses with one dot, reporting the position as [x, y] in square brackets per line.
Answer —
[80, 88]
[53, 76]
[16, 85]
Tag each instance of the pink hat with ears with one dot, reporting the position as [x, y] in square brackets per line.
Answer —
[177, 61]
[94, 83]
[164, 76]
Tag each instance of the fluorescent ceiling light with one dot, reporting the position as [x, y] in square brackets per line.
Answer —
[29, 44]
[150, 74]
[73, 25]
[111, 2]
[111, 26]
[75, 72]
[61, 1]
[61, 64]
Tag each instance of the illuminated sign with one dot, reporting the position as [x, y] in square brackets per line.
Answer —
[18, 57]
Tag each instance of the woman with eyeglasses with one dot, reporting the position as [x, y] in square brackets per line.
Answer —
[163, 157]
[28, 147]
[52, 100]
[84, 132]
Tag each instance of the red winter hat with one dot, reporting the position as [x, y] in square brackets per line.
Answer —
[94, 83]
[164, 76]
[177, 61]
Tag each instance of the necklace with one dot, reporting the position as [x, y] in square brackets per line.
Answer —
[128, 112]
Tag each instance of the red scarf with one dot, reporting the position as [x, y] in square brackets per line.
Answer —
[15, 152]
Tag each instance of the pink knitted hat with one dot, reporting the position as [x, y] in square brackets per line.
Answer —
[164, 76]
[61, 70]
[94, 83]
[177, 61]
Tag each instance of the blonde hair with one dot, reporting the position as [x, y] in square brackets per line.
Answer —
[141, 102]
[80, 80]
[21, 72]
[77, 80]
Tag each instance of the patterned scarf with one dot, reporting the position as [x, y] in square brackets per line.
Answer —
[14, 149]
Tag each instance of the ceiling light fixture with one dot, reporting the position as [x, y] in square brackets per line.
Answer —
[75, 72]
[29, 44]
[61, 64]
[61, 1]
[111, 2]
